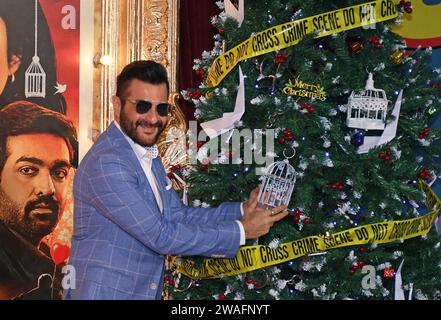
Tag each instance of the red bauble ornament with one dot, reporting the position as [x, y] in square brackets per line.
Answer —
[306, 220]
[281, 58]
[297, 214]
[337, 185]
[281, 140]
[199, 144]
[406, 5]
[200, 72]
[288, 134]
[385, 156]
[375, 40]
[388, 273]
[204, 166]
[424, 133]
[168, 280]
[425, 174]
[307, 106]
[195, 94]
[221, 296]
[353, 269]
[362, 249]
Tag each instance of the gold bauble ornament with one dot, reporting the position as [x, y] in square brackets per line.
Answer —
[325, 234]
[355, 47]
[397, 57]
[432, 110]
[209, 94]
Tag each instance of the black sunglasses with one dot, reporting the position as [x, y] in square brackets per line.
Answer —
[143, 106]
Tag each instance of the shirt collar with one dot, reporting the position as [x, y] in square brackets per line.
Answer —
[140, 151]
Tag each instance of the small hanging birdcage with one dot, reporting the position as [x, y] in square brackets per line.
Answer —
[35, 77]
[367, 108]
[277, 185]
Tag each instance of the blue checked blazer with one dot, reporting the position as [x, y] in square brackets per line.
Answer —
[120, 236]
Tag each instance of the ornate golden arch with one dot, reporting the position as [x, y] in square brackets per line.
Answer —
[128, 30]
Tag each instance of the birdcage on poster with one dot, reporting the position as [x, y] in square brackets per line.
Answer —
[35, 77]
[35, 80]
[367, 109]
[277, 185]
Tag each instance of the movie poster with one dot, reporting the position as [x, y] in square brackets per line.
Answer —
[39, 110]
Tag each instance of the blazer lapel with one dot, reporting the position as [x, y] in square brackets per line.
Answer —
[119, 141]
[122, 145]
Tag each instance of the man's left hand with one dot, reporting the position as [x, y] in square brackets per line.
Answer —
[251, 204]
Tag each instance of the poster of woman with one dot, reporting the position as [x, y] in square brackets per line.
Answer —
[39, 107]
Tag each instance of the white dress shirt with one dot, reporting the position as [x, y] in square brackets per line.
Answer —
[145, 156]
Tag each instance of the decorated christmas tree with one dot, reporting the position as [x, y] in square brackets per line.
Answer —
[332, 92]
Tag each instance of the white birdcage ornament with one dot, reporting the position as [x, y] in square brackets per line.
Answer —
[277, 185]
[35, 77]
[367, 109]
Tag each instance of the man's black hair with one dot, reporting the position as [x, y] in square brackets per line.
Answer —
[143, 70]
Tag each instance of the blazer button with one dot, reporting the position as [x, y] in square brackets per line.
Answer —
[153, 286]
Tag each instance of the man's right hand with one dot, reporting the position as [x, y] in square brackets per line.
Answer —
[259, 223]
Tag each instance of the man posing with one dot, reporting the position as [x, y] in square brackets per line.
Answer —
[126, 219]
[37, 149]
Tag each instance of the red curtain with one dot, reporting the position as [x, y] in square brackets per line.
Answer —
[196, 35]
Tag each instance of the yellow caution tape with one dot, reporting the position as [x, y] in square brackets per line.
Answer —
[256, 257]
[290, 33]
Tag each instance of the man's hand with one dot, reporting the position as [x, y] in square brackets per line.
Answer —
[258, 223]
[251, 204]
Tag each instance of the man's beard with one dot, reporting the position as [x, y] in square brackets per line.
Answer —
[130, 129]
[24, 222]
